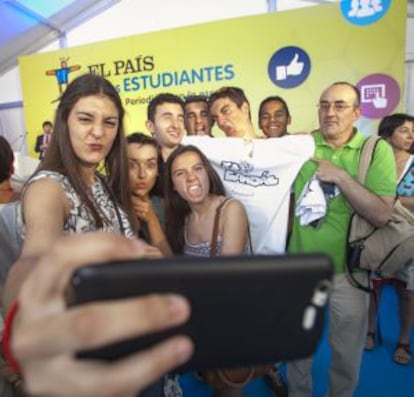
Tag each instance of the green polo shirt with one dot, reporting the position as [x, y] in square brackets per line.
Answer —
[330, 235]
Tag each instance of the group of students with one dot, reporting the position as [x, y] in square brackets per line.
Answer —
[166, 188]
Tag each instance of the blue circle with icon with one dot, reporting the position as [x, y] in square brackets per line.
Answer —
[289, 67]
[364, 12]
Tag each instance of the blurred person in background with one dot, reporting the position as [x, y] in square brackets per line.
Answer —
[398, 130]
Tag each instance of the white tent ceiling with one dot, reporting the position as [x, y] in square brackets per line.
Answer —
[30, 26]
[27, 26]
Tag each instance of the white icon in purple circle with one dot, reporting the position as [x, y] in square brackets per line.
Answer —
[380, 95]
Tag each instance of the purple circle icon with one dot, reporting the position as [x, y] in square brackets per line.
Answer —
[380, 95]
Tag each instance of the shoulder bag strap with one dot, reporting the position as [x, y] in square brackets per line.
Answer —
[215, 228]
[365, 157]
[408, 168]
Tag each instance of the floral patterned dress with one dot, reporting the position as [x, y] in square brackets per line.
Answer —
[80, 220]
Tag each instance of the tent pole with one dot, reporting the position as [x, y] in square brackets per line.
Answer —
[271, 5]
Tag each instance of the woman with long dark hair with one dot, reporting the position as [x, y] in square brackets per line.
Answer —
[147, 202]
[193, 192]
[194, 195]
[82, 183]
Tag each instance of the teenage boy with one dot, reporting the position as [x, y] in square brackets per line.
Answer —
[197, 116]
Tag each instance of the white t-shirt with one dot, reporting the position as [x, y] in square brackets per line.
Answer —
[259, 173]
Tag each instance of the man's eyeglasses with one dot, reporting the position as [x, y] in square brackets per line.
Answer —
[338, 106]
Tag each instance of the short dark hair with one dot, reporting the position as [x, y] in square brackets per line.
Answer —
[195, 98]
[390, 123]
[199, 98]
[159, 99]
[274, 98]
[142, 139]
[6, 159]
[236, 94]
[47, 122]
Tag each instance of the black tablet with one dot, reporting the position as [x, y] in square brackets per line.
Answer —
[245, 310]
